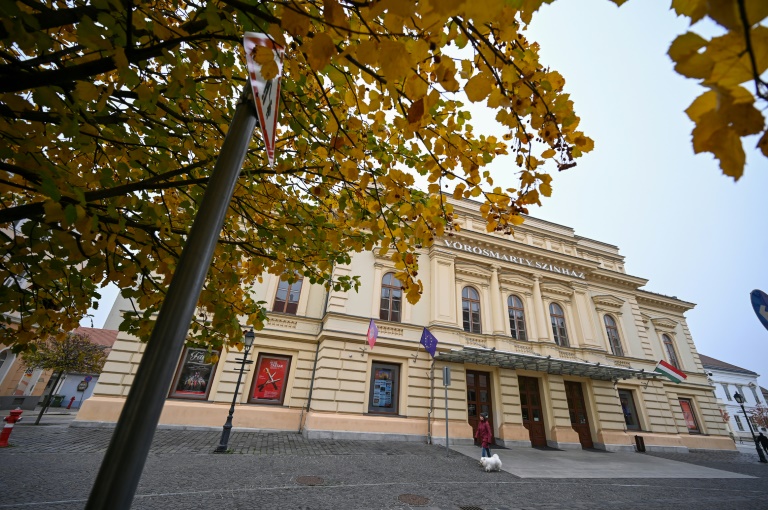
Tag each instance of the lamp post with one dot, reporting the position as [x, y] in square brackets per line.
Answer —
[740, 399]
[247, 342]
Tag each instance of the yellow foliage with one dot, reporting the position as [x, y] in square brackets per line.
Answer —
[113, 163]
[725, 64]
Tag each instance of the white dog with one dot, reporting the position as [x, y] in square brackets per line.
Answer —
[491, 463]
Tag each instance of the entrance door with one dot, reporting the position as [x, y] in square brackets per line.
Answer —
[530, 404]
[578, 412]
[478, 398]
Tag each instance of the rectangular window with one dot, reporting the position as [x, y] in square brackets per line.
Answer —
[270, 379]
[384, 390]
[740, 389]
[194, 374]
[630, 411]
[690, 417]
[727, 393]
[739, 424]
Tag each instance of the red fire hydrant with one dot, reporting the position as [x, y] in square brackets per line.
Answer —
[8, 427]
[71, 401]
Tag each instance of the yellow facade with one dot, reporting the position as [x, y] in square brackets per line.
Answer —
[541, 264]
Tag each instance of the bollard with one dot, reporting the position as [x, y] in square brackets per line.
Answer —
[71, 401]
[14, 417]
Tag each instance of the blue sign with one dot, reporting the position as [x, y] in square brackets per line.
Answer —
[88, 378]
[760, 304]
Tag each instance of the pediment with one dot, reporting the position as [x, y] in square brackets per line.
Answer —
[608, 302]
[515, 279]
[664, 324]
[556, 288]
[473, 270]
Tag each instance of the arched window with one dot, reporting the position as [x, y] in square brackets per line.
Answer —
[391, 298]
[287, 297]
[558, 324]
[470, 307]
[613, 335]
[516, 318]
[669, 347]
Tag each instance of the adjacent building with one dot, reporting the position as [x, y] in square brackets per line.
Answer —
[729, 379]
[543, 330]
[25, 387]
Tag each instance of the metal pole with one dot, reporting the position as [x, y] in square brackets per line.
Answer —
[227, 429]
[754, 438]
[124, 460]
[447, 451]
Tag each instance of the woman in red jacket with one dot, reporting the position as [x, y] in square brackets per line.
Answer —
[484, 435]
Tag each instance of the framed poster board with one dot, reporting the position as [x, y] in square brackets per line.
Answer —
[194, 374]
[690, 416]
[383, 393]
[270, 379]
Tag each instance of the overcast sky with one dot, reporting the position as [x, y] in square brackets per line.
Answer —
[692, 232]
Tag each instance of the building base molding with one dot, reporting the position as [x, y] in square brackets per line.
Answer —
[204, 415]
[562, 445]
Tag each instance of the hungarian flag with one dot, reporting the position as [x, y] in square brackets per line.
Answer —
[672, 373]
[429, 342]
[373, 333]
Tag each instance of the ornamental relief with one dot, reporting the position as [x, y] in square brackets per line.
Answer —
[389, 330]
[283, 323]
[472, 340]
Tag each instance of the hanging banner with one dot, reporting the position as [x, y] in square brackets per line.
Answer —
[266, 93]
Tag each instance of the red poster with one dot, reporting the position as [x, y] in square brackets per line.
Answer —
[271, 375]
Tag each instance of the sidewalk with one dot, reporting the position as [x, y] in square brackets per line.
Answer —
[55, 467]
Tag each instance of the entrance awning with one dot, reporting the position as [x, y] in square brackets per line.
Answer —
[548, 364]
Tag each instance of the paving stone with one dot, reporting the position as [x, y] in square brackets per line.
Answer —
[54, 468]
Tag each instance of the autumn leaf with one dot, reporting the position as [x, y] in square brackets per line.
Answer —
[320, 50]
[478, 87]
[295, 20]
[416, 111]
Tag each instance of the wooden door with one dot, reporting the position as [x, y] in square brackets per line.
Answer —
[530, 405]
[478, 398]
[578, 412]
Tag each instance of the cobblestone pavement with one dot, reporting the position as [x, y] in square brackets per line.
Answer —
[54, 467]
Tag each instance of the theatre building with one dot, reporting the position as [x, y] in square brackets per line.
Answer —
[543, 330]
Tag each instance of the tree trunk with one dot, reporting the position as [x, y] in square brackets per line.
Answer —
[49, 397]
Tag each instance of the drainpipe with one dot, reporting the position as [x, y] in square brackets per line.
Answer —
[317, 351]
[431, 401]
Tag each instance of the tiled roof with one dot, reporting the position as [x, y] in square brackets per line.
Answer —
[105, 337]
[716, 364]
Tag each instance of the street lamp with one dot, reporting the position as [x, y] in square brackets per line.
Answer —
[740, 399]
[248, 338]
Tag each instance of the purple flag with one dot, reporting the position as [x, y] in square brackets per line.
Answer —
[429, 342]
[373, 333]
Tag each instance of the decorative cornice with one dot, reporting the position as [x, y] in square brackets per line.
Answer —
[664, 302]
[608, 302]
[472, 270]
[556, 288]
[664, 324]
[515, 279]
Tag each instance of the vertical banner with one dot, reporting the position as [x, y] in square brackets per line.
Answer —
[266, 93]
